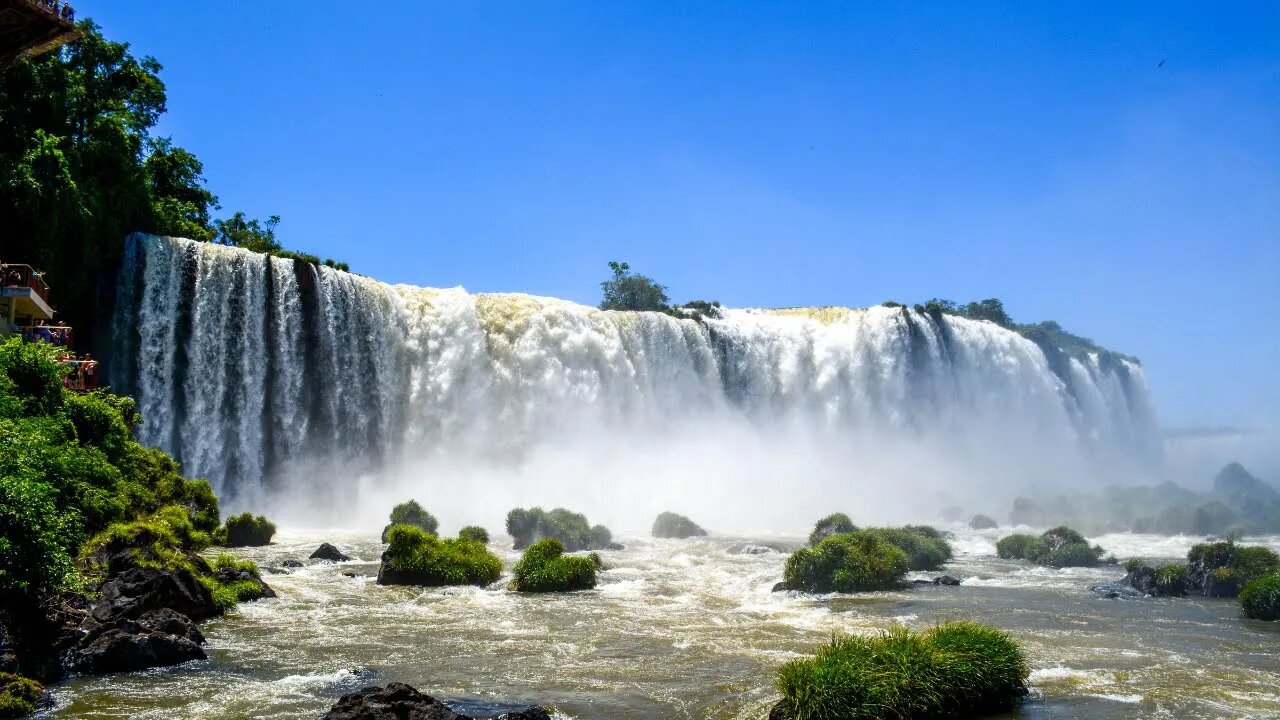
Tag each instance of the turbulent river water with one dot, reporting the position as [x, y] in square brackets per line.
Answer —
[690, 629]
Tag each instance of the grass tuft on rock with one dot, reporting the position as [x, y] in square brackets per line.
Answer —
[416, 557]
[246, 530]
[18, 695]
[847, 562]
[1260, 598]
[957, 669]
[545, 568]
[1058, 547]
[833, 524]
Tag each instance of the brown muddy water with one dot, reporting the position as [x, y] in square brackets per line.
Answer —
[689, 629]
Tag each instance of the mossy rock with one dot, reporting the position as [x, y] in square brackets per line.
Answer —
[412, 513]
[1260, 598]
[416, 557]
[1059, 547]
[833, 524]
[958, 669]
[247, 530]
[544, 567]
[672, 525]
[528, 526]
[20, 696]
[847, 562]
[1222, 569]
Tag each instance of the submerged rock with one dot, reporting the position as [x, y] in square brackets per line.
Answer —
[329, 552]
[398, 701]
[755, 550]
[291, 564]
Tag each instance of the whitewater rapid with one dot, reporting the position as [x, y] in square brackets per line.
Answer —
[247, 367]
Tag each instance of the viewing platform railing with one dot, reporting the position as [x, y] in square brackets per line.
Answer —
[60, 335]
[24, 276]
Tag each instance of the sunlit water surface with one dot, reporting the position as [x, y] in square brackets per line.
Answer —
[689, 629]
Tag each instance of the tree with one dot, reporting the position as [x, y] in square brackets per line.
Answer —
[631, 291]
[250, 234]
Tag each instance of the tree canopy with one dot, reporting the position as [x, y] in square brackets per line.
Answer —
[632, 291]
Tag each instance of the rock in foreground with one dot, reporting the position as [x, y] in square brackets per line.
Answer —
[398, 701]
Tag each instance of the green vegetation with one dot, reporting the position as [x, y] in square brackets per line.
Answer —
[570, 528]
[1059, 547]
[417, 557]
[847, 562]
[411, 513]
[982, 522]
[226, 593]
[474, 533]
[80, 169]
[631, 291]
[245, 530]
[545, 568]
[1049, 335]
[1221, 569]
[1260, 598]
[672, 525]
[18, 695]
[832, 524]
[1172, 579]
[925, 547]
[958, 669]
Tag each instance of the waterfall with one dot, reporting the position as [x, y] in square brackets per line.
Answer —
[245, 366]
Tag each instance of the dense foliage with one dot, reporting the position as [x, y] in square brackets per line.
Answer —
[1221, 569]
[847, 562]
[246, 530]
[80, 169]
[545, 568]
[476, 533]
[18, 695]
[412, 513]
[925, 547]
[417, 557]
[830, 525]
[673, 525]
[570, 528]
[1058, 547]
[632, 291]
[1237, 504]
[1260, 598]
[958, 669]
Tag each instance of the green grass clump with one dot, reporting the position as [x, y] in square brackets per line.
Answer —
[571, 528]
[545, 568]
[476, 533]
[1058, 547]
[18, 695]
[1222, 568]
[411, 513]
[246, 530]
[925, 547]
[1172, 579]
[416, 557]
[227, 594]
[848, 562]
[1260, 598]
[958, 669]
[833, 524]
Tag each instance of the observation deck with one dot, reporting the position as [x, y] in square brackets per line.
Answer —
[33, 27]
[25, 310]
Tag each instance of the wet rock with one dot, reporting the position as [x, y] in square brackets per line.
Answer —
[350, 574]
[273, 570]
[755, 550]
[614, 546]
[1142, 579]
[329, 552]
[672, 525]
[950, 580]
[126, 645]
[38, 632]
[232, 575]
[1118, 590]
[398, 701]
[781, 587]
[173, 623]
[137, 590]
[292, 563]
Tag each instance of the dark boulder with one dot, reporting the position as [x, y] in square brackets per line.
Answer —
[125, 646]
[329, 552]
[133, 592]
[754, 550]
[173, 623]
[291, 564]
[673, 525]
[398, 701]
[39, 631]
[781, 587]
[950, 580]
[1142, 579]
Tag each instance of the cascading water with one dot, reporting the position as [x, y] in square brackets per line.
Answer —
[248, 368]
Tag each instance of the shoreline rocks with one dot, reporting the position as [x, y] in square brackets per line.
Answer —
[398, 701]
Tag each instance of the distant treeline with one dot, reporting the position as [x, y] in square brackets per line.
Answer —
[1238, 504]
[80, 169]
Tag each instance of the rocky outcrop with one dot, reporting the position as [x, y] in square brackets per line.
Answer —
[126, 645]
[173, 623]
[291, 564]
[672, 525]
[398, 701]
[226, 576]
[137, 590]
[329, 552]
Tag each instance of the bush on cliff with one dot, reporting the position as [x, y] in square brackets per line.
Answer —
[847, 562]
[246, 530]
[570, 528]
[1058, 547]
[957, 669]
[672, 525]
[411, 513]
[545, 568]
[833, 524]
[475, 533]
[18, 695]
[1260, 598]
[416, 557]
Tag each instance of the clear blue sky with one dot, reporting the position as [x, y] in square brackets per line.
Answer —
[772, 154]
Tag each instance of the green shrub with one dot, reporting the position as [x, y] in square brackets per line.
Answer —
[958, 669]
[476, 533]
[1019, 546]
[545, 568]
[833, 524]
[570, 528]
[848, 562]
[35, 540]
[1059, 547]
[1260, 598]
[18, 695]
[411, 513]
[925, 547]
[1171, 579]
[247, 530]
[416, 557]
[672, 525]
[227, 594]
[1134, 564]
[32, 378]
